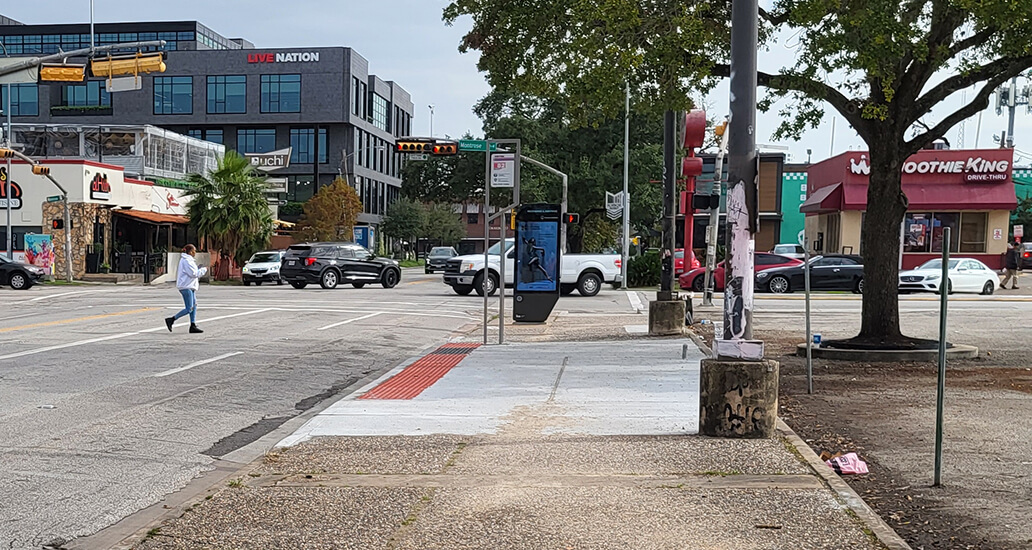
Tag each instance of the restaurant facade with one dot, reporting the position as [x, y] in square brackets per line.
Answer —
[970, 191]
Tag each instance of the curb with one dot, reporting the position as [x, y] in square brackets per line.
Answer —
[843, 492]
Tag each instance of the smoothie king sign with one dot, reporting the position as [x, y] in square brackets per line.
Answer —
[974, 168]
[16, 192]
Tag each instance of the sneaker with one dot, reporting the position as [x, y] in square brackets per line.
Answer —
[195, 330]
[169, 321]
[1014, 288]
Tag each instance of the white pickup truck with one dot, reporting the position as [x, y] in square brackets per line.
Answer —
[585, 273]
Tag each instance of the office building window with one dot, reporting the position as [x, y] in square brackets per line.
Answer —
[256, 140]
[173, 95]
[24, 99]
[302, 143]
[356, 96]
[300, 188]
[227, 94]
[195, 133]
[281, 93]
[213, 135]
[380, 113]
[91, 94]
[324, 156]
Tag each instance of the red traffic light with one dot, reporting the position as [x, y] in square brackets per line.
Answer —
[57, 223]
[446, 149]
[694, 129]
[571, 218]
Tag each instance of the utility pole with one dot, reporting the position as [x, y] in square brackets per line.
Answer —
[431, 120]
[1011, 97]
[7, 180]
[666, 281]
[626, 255]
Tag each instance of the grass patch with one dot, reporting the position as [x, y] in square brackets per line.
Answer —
[62, 282]
[236, 483]
[411, 263]
[152, 533]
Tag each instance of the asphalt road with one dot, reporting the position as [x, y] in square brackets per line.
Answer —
[103, 412]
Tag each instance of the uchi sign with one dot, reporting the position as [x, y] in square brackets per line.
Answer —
[975, 169]
[293, 57]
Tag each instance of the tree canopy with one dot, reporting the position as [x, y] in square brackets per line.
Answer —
[331, 214]
[884, 65]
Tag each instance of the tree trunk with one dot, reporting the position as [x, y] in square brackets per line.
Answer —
[886, 207]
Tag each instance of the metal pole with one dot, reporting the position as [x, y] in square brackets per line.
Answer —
[742, 169]
[944, 295]
[809, 332]
[487, 231]
[7, 192]
[626, 252]
[563, 205]
[92, 42]
[666, 281]
[713, 228]
[501, 279]
[1012, 106]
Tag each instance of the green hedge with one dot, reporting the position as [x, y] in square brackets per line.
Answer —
[644, 270]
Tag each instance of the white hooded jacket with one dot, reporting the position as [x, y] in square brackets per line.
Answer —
[189, 273]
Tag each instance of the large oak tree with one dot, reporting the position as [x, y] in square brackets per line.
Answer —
[884, 65]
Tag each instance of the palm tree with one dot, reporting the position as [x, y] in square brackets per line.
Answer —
[229, 209]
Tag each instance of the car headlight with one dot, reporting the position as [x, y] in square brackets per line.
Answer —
[467, 266]
[932, 278]
[247, 269]
[274, 268]
[762, 275]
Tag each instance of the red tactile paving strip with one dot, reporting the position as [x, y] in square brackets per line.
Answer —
[421, 374]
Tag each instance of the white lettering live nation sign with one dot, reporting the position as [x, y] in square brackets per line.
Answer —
[975, 169]
[293, 57]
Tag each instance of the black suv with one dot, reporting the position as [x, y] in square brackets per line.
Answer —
[332, 263]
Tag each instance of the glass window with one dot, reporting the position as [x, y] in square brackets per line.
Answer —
[345, 253]
[380, 113]
[214, 136]
[195, 133]
[173, 95]
[281, 93]
[227, 94]
[256, 140]
[917, 234]
[300, 188]
[973, 232]
[302, 142]
[939, 222]
[185, 36]
[356, 95]
[91, 94]
[24, 99]
[324, 156]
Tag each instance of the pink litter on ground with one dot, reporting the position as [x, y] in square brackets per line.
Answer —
[848, 463]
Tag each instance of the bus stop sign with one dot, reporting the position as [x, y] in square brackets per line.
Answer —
[538, 260]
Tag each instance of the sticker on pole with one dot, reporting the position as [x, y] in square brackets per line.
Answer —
[503, 170]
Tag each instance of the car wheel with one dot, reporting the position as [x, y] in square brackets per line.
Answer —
[247, 283]
[778, 284]
[280, 282]
[949, 287]
[428, 271]
[988, 288]
[358, 285]
[298, 284]
[19, 281]
[698, 283]
[589, 284]
[566, 290]
[859, 287]
[390, 278]
[257, 283]
[491, 284]
[463, 290]
[329, 279]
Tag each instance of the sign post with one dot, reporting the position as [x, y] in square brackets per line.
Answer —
[944, 294]
[504, 172]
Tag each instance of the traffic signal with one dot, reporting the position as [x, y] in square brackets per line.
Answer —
[443, 149]
[62, 73]
[719, 129]
[694, 129]
[6, 154]
[415, 145]
[128, 65]
[571, 218]
[691, 167]
[57, 223]
[40, 170]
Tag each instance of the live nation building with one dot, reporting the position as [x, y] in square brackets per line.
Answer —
[323, 103]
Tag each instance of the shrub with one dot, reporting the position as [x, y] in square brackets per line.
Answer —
[644, 270]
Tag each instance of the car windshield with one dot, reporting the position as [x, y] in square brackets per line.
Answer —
[937, 264]
[679, 254]
[438, 252]
[784, 249]
[265, 257]
[496, 247]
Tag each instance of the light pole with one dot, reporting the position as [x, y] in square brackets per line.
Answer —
[7, 180]
[431, 120]
[626, 252]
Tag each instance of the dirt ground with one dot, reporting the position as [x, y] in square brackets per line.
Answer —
[886, 414]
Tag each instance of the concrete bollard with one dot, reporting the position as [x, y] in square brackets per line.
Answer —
[666, 318]
[738, 399]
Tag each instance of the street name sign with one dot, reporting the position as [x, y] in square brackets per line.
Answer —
[476, 145]
[54, 198]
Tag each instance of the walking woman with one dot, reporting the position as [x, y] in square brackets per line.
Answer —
[186, 282]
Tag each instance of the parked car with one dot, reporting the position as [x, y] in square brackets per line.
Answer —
[791, 250]
[696, 278]
[965, 275]
[584, 273]
[1026, 256]
[19, 276]
[679, 261]
[263, 267]
[827, 272]
[329, 264]
[437, 259]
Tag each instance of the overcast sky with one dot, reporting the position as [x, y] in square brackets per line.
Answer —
[406, 41]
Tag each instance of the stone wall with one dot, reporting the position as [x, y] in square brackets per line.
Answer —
[83, 216]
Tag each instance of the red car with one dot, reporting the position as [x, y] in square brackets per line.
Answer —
[696, 278]
[679, 261]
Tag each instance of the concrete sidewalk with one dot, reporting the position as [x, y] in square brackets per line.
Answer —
[529, 445]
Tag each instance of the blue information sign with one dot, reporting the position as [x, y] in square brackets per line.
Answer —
[537, 265]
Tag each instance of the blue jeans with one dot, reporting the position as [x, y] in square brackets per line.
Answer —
[190, 299]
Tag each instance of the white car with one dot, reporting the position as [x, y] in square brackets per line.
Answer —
[965, 275]
[263, 267]
[790, 251]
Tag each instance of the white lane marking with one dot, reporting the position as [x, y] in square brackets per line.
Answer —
[197, 364]
[58, 295]
[203, 320]
[458, 314]
[349, 321]
[636, 304]
[113, 337]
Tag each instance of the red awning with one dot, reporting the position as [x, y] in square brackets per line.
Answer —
[950, 196]
[824, 200]
[154, 217]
